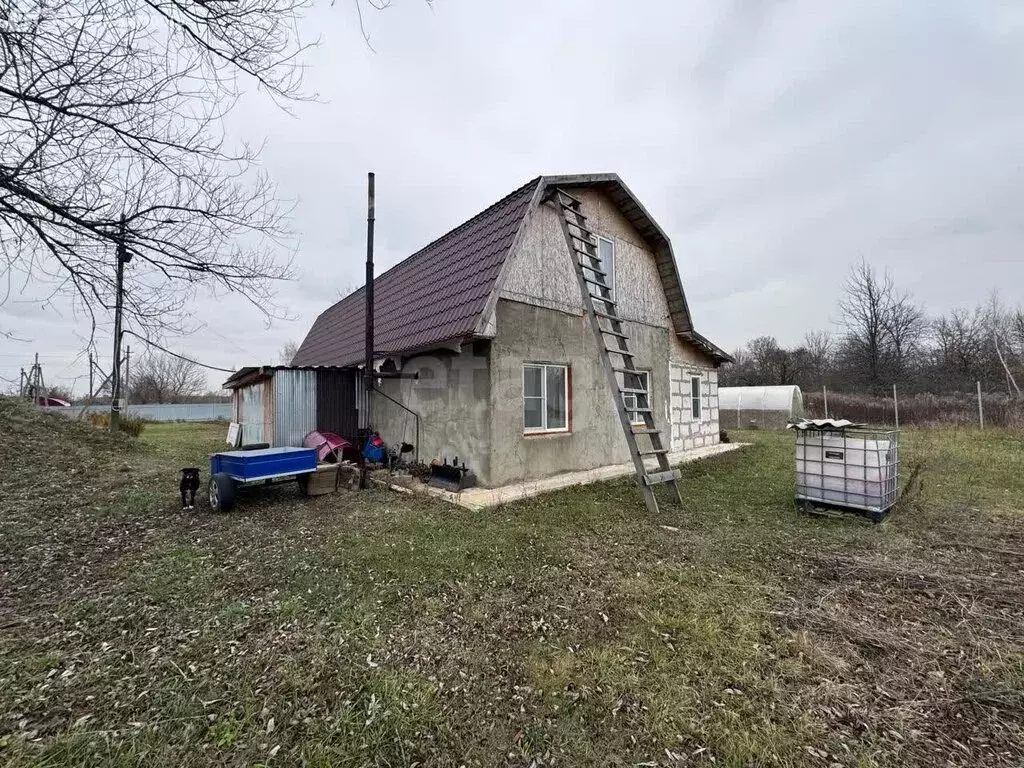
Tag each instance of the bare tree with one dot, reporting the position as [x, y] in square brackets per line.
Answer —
[820, 349]
[114, 108]
[162, 378]
[863, 307]
[288, 352]
[958, 347]
[1005, 328]
[884, 327]
[905, 326]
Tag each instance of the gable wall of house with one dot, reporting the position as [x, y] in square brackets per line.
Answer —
[541, 273]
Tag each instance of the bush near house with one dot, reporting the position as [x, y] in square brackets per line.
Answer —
[130, 425]
[574, 629]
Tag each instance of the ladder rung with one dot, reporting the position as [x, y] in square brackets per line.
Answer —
[595, 282]
[623, 352]
[640, 410]
[595, 270]
[571, 197]
[632, 371]
[653, 452]
[631, 391]
[582, 228]
[607, 302]
[637, 430]
[616, 334]
[653, 478]
[582, 239]
[609, 317]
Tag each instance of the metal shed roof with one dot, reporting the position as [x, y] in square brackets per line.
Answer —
[247, 375]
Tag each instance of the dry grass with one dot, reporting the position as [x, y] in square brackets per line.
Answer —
[954, 409]
[386, 630]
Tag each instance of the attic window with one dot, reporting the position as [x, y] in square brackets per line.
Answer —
[606, 257]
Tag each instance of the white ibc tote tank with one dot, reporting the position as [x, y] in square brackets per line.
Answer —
[851, 467]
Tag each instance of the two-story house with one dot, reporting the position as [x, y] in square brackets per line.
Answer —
[491, 317]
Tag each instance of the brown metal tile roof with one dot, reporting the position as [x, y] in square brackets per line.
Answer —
[440, 293]
[435, 295]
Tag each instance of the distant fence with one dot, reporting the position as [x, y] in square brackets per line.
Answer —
[156, 412]
[919, 410]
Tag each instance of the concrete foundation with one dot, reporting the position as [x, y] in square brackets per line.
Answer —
[483, 498]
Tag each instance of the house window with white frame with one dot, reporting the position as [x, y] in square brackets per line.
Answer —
[545, 397]
[695, 397]
[630, 400]
[606, 259]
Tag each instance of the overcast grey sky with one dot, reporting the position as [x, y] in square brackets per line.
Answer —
[775, 142]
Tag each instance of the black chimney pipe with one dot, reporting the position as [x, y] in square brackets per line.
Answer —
[370, 206]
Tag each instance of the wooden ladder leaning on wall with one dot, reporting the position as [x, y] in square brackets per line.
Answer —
[582, 246]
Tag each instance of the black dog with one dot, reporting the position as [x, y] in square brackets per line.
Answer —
[189, 485]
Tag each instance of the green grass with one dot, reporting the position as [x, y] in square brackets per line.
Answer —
[378, 629]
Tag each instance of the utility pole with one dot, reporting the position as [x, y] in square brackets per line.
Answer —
[123, 257]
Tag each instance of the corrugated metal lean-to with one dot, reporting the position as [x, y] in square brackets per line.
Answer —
[250, 413]
[295, 413]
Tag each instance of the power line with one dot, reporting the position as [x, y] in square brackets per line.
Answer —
[175, 354]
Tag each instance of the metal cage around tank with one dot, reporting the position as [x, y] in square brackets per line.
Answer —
[854, 468]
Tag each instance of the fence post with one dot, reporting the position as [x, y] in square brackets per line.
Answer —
[896, 406]
[739, 407]
[824, 396]
[981, 409]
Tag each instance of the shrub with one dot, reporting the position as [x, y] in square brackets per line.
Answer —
[130, 425]
[919, 410]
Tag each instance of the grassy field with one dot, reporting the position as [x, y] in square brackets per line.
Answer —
[382, 629]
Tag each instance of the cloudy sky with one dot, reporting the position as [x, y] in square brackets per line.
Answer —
[776, 141]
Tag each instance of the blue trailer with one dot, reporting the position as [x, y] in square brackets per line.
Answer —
[231, 469]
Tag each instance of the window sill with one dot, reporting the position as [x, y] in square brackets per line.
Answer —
[547, 432]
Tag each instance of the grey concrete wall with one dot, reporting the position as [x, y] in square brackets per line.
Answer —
[528, 333]
[453, 400]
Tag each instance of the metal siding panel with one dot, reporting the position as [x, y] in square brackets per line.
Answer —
[294, 406]
[154, 411]
[250, 413]
[336, 402]
[362, 397]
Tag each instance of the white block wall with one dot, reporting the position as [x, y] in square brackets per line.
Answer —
[689, 433]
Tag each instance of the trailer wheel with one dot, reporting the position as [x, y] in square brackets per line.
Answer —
[222, 492]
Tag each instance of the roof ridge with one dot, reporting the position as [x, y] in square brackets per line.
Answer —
[518, 190]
